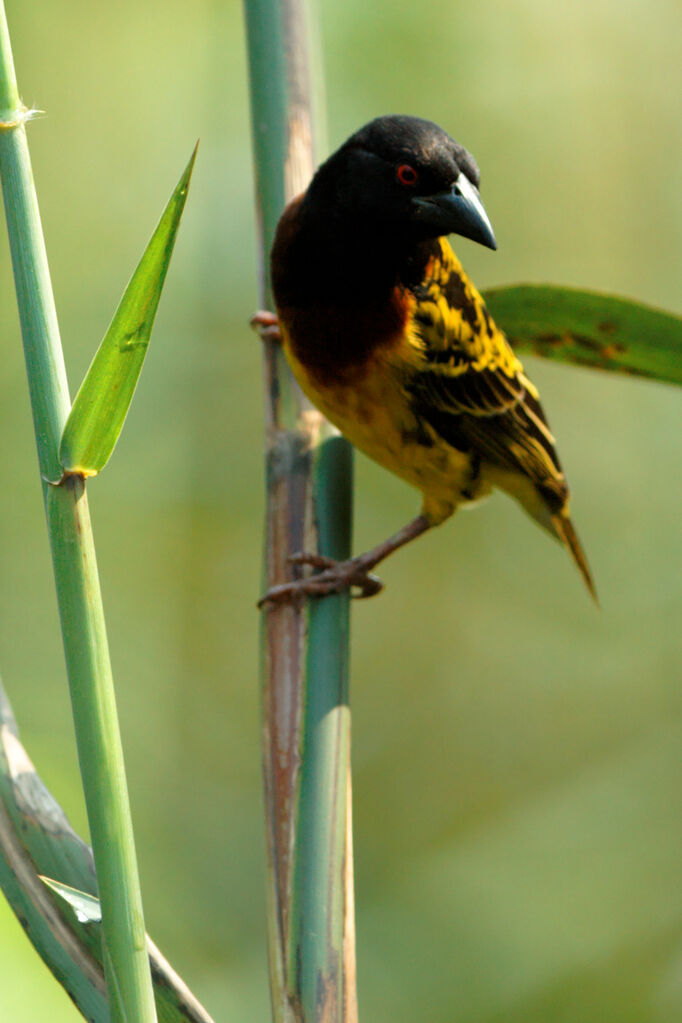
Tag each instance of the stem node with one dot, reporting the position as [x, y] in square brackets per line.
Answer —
[15, 118]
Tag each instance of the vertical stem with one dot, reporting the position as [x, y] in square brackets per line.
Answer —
[322, 903]
[306, 714]
[42, 345]
[73, 554]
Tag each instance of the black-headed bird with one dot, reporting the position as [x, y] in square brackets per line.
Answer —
[390, 339]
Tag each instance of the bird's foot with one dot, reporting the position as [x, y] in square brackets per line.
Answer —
[267, 325]
[331, 577]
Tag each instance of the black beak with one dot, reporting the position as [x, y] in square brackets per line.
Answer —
[457, 211]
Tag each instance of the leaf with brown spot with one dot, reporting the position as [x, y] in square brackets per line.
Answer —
[589, 329]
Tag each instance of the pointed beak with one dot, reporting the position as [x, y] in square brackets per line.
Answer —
[457, 211]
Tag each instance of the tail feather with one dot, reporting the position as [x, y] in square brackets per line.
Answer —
[567, 534]
[539, 506]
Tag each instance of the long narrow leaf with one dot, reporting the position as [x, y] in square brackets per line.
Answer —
[102, 403]
[589, 329]
[37, 840]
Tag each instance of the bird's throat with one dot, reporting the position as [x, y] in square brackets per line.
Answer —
[342, 292]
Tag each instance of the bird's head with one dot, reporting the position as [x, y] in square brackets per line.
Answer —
[403, 176]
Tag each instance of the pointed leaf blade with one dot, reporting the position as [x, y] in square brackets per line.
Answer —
[86, 907]
[101, 405]
[590, 329]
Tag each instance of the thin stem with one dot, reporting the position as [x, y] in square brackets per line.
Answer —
[78, 591]
[42, 345]
[306, 715]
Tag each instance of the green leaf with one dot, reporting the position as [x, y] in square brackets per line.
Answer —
[101, 405]
[88, 910]
[37, 844]
[86, 907]
[589, 329]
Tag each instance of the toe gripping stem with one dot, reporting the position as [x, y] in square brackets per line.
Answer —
[330, 577]
[267, 325]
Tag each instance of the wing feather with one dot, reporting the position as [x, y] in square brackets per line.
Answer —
[469, 386]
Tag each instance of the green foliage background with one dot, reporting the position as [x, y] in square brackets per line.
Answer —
[516, 753]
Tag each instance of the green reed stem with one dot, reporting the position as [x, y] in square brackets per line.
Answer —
[306, 713]
[78, 591]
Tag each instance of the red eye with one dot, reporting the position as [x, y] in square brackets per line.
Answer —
[407, 175]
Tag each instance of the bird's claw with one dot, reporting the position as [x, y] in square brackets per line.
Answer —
[331, 577]
[267, 325]
[340, 575]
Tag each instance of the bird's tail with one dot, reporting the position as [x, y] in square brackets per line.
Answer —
[539, 505]
[567, 534]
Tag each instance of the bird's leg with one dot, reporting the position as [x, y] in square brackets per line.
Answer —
[336, 576]
[267, 325]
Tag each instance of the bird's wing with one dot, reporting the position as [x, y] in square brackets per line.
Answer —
[468, 385]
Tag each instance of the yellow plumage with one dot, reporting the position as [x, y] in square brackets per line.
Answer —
[448, 407]
[389, 338]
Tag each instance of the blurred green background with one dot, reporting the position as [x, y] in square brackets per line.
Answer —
[517, 753]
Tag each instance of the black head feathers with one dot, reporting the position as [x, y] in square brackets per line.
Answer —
[403, 179]
[398, 136]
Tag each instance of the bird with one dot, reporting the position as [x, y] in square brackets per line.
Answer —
[389, 338]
